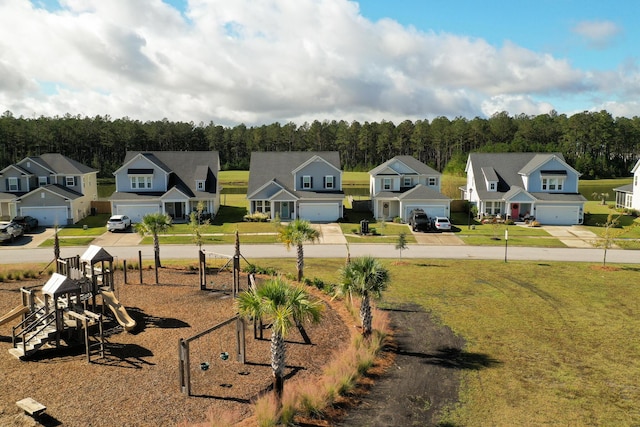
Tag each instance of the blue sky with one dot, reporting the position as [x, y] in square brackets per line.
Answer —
[261, 61]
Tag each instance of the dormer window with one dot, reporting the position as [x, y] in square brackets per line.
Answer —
[407, 181]
[492, 186]
[200, 185]
[307, 182]
[12, 184]
[329, 182]
[433, 181]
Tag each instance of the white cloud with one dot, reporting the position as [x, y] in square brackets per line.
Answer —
[260, 61]
[598, 34]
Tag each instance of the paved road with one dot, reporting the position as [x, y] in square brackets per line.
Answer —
[12, 255]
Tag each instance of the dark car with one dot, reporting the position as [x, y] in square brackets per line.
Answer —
[419, 220]
[27, 222]
[9, 231]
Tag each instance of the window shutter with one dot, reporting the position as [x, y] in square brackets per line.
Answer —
[301, 182]
[333, 181]
[19, 184]
[6, 183]
[75, 181]
[311, 182]
[324, 182]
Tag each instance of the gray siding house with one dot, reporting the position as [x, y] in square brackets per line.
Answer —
[171, 182]
[51, 187]
[518, 185]
[296, 184]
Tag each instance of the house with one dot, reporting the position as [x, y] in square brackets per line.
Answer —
[296, 184]
[402, 184]
[625, 194]
[518, 185]
[52, 188]
[171, 182]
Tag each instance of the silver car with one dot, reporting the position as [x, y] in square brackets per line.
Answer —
[441, 223]
[9, 231]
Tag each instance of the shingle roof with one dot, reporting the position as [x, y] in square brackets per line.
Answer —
[62, 165]
[268, 166]
[411, 162]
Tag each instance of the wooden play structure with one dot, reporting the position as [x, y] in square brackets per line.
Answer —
[65, 309]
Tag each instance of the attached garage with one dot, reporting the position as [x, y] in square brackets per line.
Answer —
[319, 212]
[557, 215]
[47, 216]
[136, 212]
[430, 210]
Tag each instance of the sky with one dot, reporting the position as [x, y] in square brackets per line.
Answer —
[264, 61]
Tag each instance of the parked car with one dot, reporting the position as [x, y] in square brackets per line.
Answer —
[441, 223]
[9, 231]
[419, 220]
[118, 222]
[27, 222]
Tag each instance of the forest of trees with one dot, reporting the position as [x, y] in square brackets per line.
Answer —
[595, 143]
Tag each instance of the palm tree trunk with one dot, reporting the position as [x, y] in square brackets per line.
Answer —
[278, 365]
[156, 250]
[365, 315]
[300, 264]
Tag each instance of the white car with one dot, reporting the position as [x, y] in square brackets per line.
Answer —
[441, 223]
[118, 222]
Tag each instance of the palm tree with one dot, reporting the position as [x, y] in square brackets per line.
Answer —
[283, 305]
[154, 224]
[367, 278]
[296, 233]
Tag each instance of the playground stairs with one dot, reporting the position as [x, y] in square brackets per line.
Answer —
[34, 341]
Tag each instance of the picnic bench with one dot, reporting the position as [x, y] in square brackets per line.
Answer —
[31, 406]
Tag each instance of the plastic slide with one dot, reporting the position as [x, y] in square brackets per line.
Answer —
[18, 311]
[122, 317]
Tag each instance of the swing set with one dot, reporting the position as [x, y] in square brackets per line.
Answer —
[185, 352]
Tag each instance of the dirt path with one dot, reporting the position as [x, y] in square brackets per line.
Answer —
[423, 380]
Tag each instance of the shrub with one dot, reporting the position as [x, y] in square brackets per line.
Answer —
[257, 217]
[534, 224]
[397, 220]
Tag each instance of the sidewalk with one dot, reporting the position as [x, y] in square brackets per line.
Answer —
[573, 236]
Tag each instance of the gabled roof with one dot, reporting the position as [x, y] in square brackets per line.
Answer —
[509, 168]
[627, 188]
[18, 168]
[409, 161]
[422, 192]
[184, 168]
[95, 254]
[56, 189]
[279, 166]
[59, 164]
[60, 284]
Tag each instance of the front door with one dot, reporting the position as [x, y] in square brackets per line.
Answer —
[515, 211]
[284, 210]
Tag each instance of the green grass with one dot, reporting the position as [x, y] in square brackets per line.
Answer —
[547, 343]
[96, 226]
[588, 187]
[387, 232]
[71, 241]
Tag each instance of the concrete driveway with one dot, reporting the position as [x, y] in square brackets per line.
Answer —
[436, 239]
[118, 238]
[330, 234]
[574, 236]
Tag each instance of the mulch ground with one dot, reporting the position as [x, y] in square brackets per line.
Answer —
[137, 382]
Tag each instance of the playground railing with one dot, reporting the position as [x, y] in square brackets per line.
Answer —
[33, 329]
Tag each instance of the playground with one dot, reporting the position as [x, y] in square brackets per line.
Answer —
[134, 378]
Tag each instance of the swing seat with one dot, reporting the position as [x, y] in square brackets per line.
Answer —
[224, 355]
[204, 366]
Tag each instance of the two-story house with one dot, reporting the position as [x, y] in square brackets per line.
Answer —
[402, 184]
[171, 182]
[50, 187]
[519, 185]
[296, 184]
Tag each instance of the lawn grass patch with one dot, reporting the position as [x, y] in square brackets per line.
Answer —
[71, 241]
[96, 225]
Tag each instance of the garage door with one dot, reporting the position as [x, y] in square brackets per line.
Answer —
[557, 215]
[319, 212]
[47, 216]
[430, 210]
[136, 212]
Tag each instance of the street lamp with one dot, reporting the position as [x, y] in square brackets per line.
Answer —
[506, 244]
[469, 222]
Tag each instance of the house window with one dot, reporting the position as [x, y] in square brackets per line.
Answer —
[386, 184]
[306, 182]
[13, 183]
[433, 181]
[141, 182]
[552, 184]
[407, 181]
[492, 186]
[200, 185]
[70, 181]
[328, 181]
[492, 208]
[42, 181]
[263, 206]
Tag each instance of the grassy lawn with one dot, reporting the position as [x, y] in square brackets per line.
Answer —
[96, 225]
[547, 343]
[70, 241]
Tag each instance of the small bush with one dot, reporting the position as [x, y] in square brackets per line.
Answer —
[397, 220]
[2, 278]
[534, 224]
[257, 217]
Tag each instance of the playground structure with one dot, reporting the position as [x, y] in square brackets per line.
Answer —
[65, 308]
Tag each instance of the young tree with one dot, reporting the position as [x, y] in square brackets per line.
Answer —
[367, 278]
[602, 196]
[296, 233]
[284, 306]
[196, 224]
[402, 243]
[154, 224]
[611, 232]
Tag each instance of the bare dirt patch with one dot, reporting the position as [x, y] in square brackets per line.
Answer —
[136, 384]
